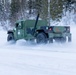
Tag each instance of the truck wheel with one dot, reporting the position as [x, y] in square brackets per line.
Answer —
[63, 39]
[60, 39]
[57, 39]
[51, 40]
[69, 39]
[10, 37]
[41, 38]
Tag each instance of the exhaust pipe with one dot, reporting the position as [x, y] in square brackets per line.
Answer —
[35, 24]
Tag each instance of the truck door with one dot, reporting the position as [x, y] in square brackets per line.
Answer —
[20, 31]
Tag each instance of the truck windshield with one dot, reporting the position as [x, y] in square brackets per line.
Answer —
[16, 25]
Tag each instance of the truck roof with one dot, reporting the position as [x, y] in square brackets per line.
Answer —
[32, 22]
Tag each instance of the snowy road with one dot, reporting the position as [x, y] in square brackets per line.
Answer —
[27, 59]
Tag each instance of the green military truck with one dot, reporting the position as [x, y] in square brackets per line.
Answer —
[39, 31]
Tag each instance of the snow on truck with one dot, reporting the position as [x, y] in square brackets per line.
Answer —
[39, 31]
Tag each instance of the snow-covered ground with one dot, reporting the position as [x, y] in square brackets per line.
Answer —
[24, 58]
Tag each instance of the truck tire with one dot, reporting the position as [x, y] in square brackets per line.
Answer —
[51, 40]
[60, 40]
[57, 39]
[41, 38]
[10, 37]
[63, 39]
[69, 39]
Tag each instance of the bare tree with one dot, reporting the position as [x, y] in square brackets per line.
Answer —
[5, 11]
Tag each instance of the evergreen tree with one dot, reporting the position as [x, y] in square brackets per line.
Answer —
[41, 7]
[17, 10]
[56, 9]
[44, 9]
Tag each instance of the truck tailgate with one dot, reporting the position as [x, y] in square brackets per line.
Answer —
[60, 29]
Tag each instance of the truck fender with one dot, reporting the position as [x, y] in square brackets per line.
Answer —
[42, 31]
[8, 32]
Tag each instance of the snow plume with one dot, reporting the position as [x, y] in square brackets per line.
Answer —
[69, 18]
[5, 25]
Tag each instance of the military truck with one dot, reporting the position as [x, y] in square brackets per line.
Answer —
[39, 31]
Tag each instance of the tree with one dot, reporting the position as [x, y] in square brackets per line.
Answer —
[56, 9]
[44, 9]
[40, 6]
[4, 12]
[17, 10]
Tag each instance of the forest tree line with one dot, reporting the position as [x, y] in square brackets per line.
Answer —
[13, 10]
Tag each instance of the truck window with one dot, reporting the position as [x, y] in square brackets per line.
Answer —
[16, 25]
[19, 25]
